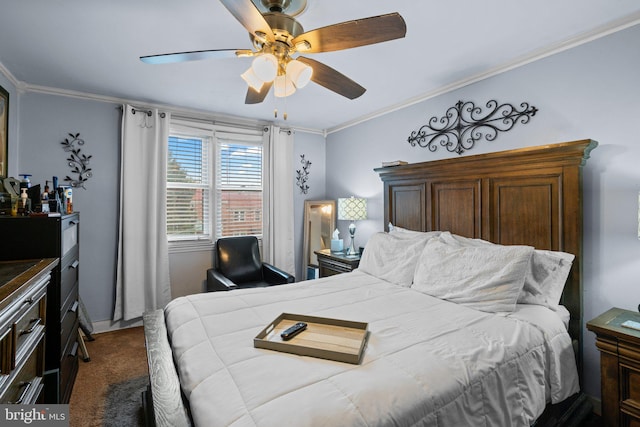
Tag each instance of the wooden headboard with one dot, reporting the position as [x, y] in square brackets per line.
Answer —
[530, 196]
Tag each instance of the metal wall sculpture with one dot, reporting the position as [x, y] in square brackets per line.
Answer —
[302, 175]
[79, 163]
[464, 124]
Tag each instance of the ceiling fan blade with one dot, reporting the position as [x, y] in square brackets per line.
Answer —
[250, 17]
[196, 55]
[255, 97]
[332, 79]
[346, 35]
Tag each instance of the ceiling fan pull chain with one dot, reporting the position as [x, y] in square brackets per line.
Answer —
[284, 115]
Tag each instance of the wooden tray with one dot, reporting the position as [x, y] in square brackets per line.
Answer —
[333, 339]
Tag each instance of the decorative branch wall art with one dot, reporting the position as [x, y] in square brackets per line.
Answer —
[464, 124]
[302, 175]
[79, 163]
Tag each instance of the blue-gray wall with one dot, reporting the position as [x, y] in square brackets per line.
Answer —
[590, 91]
[45, 121]
[313, 148]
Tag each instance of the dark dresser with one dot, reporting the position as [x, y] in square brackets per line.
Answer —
[619, 366]
[23, 301]
[331, 263]
[52, 237]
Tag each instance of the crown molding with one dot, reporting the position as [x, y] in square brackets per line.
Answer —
[612, 27]
[117, 100]
[5, 72]
[173, 109]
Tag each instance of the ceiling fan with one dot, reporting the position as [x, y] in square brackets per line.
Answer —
[278, 39]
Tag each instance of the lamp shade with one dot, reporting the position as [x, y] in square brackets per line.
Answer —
[352, 208]
[265, 67]
[299, 73]
[283, 86]
[252, 80]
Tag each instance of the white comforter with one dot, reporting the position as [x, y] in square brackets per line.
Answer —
[428, 362]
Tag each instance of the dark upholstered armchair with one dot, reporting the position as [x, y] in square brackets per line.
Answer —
[238, 265]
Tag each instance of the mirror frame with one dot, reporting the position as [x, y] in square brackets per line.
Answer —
[306, 247]
[4, 134]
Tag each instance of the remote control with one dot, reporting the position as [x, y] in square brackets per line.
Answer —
[293, 331]
[631, 324]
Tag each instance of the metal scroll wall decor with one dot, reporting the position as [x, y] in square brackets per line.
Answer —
[464, 124]
[79, 163]
[302, 175]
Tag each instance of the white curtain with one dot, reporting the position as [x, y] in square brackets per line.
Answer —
[142, 278]
[278, 245]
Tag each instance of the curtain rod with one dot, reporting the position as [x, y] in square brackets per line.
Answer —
[141, 110]
[179, 116]
[148, 112]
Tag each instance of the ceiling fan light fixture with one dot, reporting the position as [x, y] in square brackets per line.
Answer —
[265, 67]
[244, 53]
[283, 86]
[260, 36]
[299, 73]
[252, 79]
[302, 46]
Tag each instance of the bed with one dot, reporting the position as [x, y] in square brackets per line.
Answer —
[437, 353]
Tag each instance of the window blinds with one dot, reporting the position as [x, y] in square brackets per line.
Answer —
[238, 184]
[188, 183]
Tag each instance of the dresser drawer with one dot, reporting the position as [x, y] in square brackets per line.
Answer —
[69, 301]
[30, 323]
[69, 367]
[69, 277]
[69, 326]
[6, 350]
[335, 267]
[69, 234]
[629, 382]
[26, 382]
[20, 321]
[335, 263]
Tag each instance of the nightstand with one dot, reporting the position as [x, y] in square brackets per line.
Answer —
[619, 367]
[336, 263]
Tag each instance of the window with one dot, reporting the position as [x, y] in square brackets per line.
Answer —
[189, 183]
[214, 182]
[239, 186]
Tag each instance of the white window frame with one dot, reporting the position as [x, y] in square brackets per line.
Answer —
[204, 131]
[247, 137]
[213, 133]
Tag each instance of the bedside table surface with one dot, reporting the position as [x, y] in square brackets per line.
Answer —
[338, 255]
[608, 323]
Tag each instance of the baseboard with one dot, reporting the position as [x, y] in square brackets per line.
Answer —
[110, 325]
[597, 405]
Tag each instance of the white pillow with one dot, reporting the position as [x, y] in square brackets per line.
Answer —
[406, 233]
[546, 276]
[487, 278]
[392, 258]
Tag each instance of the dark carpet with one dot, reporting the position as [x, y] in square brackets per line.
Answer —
[123, 406]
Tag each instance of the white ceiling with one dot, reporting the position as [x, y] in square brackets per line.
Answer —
[92, 47]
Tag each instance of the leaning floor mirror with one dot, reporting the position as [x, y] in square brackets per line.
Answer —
[319, 223]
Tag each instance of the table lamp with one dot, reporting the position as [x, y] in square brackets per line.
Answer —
[352, 209]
